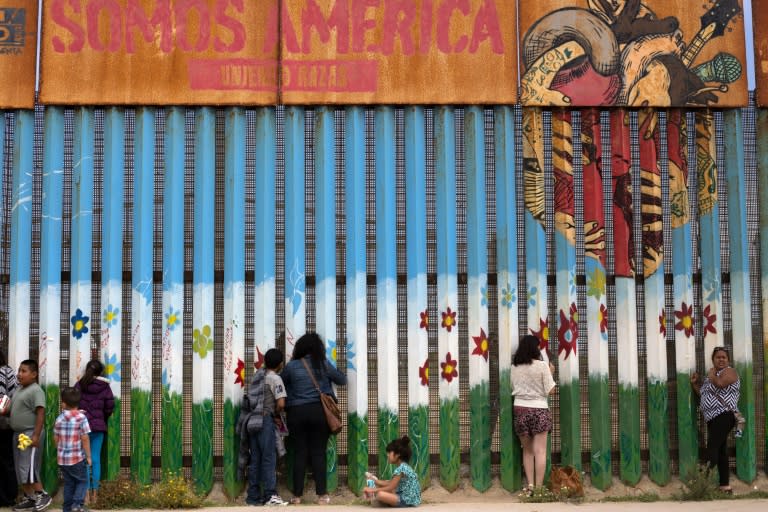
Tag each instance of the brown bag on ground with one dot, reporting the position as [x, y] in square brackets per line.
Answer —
[566, 480]
[330, 407]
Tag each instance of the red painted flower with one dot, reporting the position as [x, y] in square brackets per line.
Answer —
[663, 324]
[709, 321]
[240, 373]
[449, 319]
[481, 345]
[424, 319]
[424, 373]
[685, 319]
[603, 318]
[568, 333]
[542, 334]
[259, 362]
[449, 371]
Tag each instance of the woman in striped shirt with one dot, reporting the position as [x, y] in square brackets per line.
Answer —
[8, 487]
[719, 399]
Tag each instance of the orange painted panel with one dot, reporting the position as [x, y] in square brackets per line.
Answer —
[655, 53]
[399, 51]
[154, 52]
[760, 27]
[18, 49]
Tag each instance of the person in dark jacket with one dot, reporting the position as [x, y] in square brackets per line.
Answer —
[9, 488]
[97, 402]
[306, 420]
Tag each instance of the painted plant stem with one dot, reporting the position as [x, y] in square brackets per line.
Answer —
[50, 285]
[112, 278]
[447, 295]
[746, 459]
[597, 301]
[386, 289]
[357, 345]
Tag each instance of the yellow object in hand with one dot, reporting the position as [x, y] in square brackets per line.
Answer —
[24, 442]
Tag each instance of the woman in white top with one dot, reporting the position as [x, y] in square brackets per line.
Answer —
[532, 383]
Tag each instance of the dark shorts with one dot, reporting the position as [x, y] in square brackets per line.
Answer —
[530, 421]
[28, 461]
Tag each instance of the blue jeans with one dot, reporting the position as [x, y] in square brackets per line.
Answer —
[75, 485]
[262, 479]
[97, 440]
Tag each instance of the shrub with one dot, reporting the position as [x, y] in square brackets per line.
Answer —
[643, 497]
[700, 485]
[173, 491]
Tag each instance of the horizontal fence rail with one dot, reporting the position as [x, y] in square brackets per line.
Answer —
[179, 244]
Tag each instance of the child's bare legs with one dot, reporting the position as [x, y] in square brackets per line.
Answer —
[388, 498]
[527, 443]
[540, 457]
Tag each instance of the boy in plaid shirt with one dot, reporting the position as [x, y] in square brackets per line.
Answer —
[73, 449]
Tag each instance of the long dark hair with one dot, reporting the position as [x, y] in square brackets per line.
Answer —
[310, 344]
[92, 370]
[401, 447]
[528, 350]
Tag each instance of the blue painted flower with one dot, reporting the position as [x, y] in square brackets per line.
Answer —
[110, 315]
[508, 296]
[112, 368]
[79, 324]
[330, 351]
[532, 296]
[172, 318]
[484, 296]
[351, 356]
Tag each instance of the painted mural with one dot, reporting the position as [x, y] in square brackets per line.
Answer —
[760, 30]
[18, 49]
[632, 53]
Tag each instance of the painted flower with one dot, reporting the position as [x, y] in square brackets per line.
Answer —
[110, 316]
[532, 291]
[685, 321]
[259, 362]
[330, 350]
[79, 324]
[542, 334]
[112, 368]
[240, 373]
[449, 368]
[351, 356]
[481, 345]
[663, 324]
[172, 318]
[202, 341]
[424, 373]
[568, 332]
[484, 296]
[424, 319]
[602, 317]
[449, 319]
[596, 284]
[709, 320]
[507, 296]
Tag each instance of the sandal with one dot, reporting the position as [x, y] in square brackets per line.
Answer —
[295, 501]
[726, 490]
[324, 500]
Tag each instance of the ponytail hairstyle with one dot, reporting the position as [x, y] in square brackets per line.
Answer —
[401, 447]
[92, 370]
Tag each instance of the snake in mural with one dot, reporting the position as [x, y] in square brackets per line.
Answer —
[618, 52]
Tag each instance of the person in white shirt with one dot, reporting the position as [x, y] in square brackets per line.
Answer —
[532, 383]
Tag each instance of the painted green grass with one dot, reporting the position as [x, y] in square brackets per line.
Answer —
[110, 466]
[746, 451]
[418, 431]
[389, 430]
[173, 405]
[629, 434]
[658, 433]
[141, 436]
[50, 469]
[358, 452]
[511, 454]
[480, 436]
[233, 483]
[202, 446]
[600, 432]
[332, 464]
[450, 454]
[687, 428]
[570, 424]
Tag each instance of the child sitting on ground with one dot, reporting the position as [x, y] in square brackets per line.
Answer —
[403, 490]
[73, 450]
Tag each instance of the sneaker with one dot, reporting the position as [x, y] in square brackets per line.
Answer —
[28, 503]
[42, 501]
[81, 509]
[275, 501]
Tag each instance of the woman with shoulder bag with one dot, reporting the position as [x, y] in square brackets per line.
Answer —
[306, 418]
[719, 403]
[8, 486]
